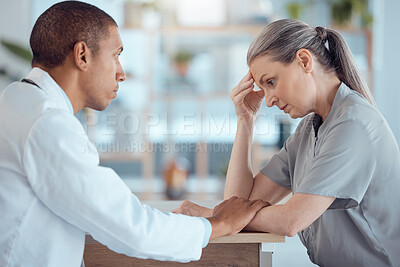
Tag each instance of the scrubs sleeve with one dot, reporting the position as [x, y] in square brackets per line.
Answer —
[277, 168]
[63, 170]
[344, 166]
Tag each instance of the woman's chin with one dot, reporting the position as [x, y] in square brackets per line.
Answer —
[296, 116]
[293, 115]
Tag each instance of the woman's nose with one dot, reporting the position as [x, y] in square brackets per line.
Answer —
[270, 99]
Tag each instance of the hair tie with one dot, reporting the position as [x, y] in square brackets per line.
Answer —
[322, 34]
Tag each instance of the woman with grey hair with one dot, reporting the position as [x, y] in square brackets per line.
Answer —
[342, 162]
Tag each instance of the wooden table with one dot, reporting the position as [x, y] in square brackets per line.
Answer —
[242, 249]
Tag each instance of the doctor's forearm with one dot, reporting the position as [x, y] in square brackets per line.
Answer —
[239, 179]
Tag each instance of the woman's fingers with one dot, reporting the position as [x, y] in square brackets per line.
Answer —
[242, 86]
[240, 97]
[247, 101]
[245, 85]
[246, 77]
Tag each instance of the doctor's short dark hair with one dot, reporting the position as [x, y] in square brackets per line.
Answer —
[64, 24]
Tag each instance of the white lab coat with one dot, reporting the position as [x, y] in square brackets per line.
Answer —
[52, 190]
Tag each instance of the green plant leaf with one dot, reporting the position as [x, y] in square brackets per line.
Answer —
[294, 9]
[343, 10]
[183, 57]
[18, 50]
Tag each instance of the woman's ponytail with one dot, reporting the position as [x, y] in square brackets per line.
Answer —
[343, 63]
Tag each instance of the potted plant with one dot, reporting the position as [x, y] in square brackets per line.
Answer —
[294, 9]
[181, 61]
[343, 11]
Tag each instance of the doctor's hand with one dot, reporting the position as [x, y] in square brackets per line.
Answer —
[191, 209]
[247, 101]
[232, 215]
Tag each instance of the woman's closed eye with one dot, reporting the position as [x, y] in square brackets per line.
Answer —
[270, 82]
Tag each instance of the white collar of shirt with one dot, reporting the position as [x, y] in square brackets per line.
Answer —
[50, 87]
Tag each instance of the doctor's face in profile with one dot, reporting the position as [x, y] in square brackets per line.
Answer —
[286, 86]
[105, 72]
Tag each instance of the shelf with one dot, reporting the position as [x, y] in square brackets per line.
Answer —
[120, 156]
[175, 96]
[229, 29]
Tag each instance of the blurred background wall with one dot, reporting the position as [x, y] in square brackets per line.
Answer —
[170, 132]
[173, 116]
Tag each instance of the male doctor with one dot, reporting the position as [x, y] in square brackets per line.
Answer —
[52, 189]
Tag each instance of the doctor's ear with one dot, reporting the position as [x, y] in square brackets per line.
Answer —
[81, 55]
[305, 59]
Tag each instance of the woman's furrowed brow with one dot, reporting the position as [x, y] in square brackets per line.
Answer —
[261, 78]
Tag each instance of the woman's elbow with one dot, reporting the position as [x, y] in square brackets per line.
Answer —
[293, 229]
[291, 233]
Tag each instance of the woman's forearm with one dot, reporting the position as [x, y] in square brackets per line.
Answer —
[273, 219]
[239, 178]
[293, 216]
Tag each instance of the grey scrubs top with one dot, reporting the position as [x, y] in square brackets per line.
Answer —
[354, 157]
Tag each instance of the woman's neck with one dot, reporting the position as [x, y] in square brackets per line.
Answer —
[327, 86]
